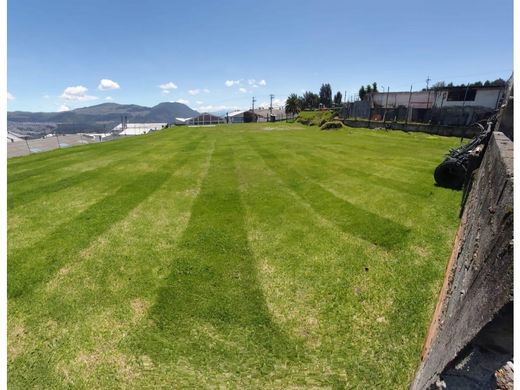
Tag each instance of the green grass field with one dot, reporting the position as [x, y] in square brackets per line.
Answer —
[245, 256]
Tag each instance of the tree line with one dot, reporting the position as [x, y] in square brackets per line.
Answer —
[311, 101]
[495, 83]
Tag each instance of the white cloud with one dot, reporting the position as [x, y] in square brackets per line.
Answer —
[168, 87]
[255, 83]
[183, 101]
[63, 108]
[199, 102]
[109, 98]
[77, 93]
[197, 91]
[9, 96]
[230, 83]
[276, 103]
[243, 90]
[106, 84]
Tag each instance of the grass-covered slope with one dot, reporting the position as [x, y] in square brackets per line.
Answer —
[314, 118]
[243, 256]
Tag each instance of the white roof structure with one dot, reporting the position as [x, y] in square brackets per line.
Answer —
[98, 136]
[138, 128]
[236, 113]
[12, 137]
[264, 112]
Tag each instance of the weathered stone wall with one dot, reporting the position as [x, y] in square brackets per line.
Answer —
[479, 278]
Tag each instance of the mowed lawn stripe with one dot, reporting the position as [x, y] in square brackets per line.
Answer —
[30, 266]
[313, 165]
[382, 148]
[91, 155]
[106, 294]
[314, 276]
[44, 211]
[335, 174]
[357, 186]
[110, 169]
[39, 163]
[353, 219]
[211, 311]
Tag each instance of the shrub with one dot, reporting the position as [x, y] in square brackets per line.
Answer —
[331, 125]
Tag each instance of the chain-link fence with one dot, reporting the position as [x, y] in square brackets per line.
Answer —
[29, 146]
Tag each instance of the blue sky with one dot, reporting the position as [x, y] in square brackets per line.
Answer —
[153, 51]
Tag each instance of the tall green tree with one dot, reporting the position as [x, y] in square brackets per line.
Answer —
[338, 97]
[326, 95]
[368, 88]
[362, 92]
[293, 104]
[311, 100]
[374, 87]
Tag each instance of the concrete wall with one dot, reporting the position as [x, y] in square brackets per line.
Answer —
[479, 277]
[419, 99]
[448, 131]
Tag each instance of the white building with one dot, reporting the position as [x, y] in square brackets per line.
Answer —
[204, 119]
[138, 128]
[264, 114]
[12, 137]
[245, 116]
[236, 117]
[484, 97]
[96, 136]
[419, 99]
[181, 121]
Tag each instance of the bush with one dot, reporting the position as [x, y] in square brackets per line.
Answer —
[314, 118]
[303, 121]
[331, 125]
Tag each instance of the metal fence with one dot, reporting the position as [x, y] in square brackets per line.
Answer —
[446, 116]
[29, 146]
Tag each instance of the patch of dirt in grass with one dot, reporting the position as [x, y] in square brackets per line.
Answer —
[422, 251]
[88, 364]
[58, 278]
[16, 342]
[140, 308]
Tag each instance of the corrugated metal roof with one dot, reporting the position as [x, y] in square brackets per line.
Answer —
[148, 126]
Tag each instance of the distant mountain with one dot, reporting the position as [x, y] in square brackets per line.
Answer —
[98, 118]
